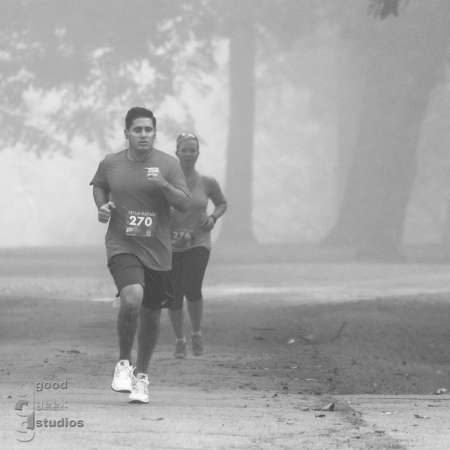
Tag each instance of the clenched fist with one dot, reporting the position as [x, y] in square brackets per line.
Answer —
[104, 212]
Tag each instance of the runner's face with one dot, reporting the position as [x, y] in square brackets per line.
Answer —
[188, 153]
[141, 134]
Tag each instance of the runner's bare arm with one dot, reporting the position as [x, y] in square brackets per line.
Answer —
[101, 196]
[104, 205]
[175, 196]
[219, 209]
[215, 194]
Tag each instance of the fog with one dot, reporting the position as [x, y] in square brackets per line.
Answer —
[322, 108]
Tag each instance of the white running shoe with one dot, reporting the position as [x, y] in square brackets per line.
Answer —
[123, 374]
[139, 389]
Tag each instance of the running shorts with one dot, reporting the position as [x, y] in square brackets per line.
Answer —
[127, 269]
[188, 270]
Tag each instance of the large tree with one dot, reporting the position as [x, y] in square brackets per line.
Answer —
[252, 28]
[405, 57]
[241, 123]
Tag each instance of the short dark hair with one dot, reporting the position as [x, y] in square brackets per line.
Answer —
[135, 113]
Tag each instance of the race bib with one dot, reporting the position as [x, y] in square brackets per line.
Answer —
[182, 238]
[140, 223]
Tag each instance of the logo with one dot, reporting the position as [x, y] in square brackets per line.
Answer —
[31, 406]
[24, 408]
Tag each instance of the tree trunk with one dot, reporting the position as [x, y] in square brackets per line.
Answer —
[237, 226]
[350, 83]
[405, 57]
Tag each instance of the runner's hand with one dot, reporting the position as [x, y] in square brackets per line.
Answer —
[104, 212]
[207, 223]
[157, 179]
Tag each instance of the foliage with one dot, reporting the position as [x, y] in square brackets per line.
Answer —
[97, 56]
[384, 8]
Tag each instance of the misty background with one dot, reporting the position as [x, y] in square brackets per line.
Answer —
[325, 122]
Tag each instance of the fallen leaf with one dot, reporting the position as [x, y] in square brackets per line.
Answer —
[329, 407]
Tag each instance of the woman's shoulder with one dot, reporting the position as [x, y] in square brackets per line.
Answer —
[208, 180]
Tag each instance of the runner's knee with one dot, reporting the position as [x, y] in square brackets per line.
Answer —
[131, 296]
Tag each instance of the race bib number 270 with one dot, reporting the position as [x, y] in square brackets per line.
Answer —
[140, 223]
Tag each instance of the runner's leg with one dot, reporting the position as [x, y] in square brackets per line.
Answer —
[157, 291]
[192, 281]
[127, 319]
[149, 324]
[176, 312]
[196, 262]
[195, 310]
[177, 319]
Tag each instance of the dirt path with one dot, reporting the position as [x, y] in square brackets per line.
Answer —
[271, 363]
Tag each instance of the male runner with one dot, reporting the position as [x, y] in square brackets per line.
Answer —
[134, 190]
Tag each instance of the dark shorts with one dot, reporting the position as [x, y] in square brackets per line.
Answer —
[127, 269]
[188, 270]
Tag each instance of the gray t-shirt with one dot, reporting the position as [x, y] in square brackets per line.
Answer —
[186, 230]
[140, 224]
